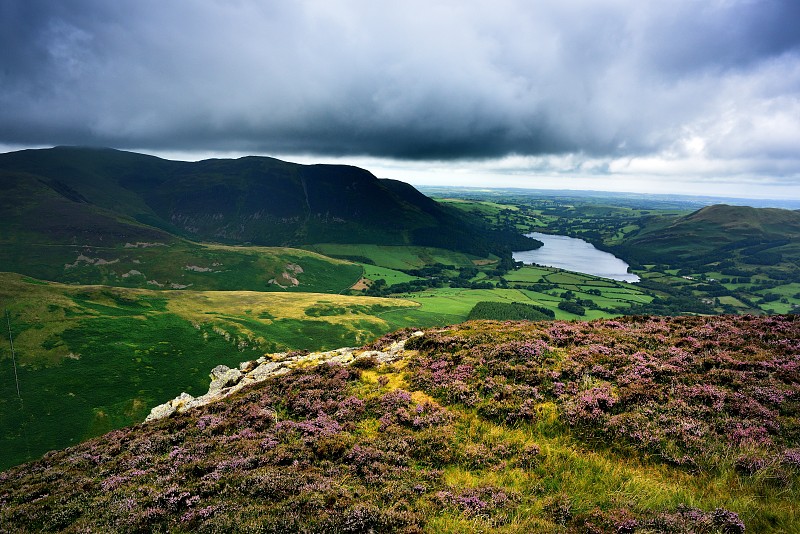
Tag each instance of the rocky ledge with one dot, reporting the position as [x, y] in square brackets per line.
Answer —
[225, 381]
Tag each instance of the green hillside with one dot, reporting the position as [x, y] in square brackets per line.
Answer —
[92, 358]
[721, 232]
[251, 200]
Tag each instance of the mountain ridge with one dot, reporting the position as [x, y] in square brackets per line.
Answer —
[253, 200]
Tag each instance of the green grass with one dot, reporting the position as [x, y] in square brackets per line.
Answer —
[613, 294]
[785, 290]
[484, 208]
[182, 264]
[446, 306]
[392, 276]
[458, 302]
[397, 257]
[528, 274]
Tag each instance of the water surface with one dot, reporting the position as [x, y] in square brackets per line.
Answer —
[572, 254]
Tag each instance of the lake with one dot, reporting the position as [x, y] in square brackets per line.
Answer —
[572, 254]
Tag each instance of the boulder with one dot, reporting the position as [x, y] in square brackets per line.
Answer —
[222, 377]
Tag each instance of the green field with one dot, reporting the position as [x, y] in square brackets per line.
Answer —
[613, 294]
[529, 274]
[396, 257]
[392, 276]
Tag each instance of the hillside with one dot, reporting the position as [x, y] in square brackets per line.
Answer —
[637, 425]
[720, 232]
[93, 197]
[89, 359]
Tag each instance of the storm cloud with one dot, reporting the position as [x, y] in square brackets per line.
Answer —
[614, 82]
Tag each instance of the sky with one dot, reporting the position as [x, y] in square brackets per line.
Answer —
[673, 96]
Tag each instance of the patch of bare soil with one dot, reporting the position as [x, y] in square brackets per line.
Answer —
[362, 284]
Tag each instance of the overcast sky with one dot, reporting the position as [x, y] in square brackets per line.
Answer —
[680, 96]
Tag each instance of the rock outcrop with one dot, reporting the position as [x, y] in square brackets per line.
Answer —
[225, 381]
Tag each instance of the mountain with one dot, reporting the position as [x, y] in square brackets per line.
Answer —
[719, 233]
[251, 200]
[683, 424]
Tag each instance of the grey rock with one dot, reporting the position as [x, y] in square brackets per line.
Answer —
[264, 370]
[222, 377]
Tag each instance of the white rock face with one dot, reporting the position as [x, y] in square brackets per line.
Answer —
[225, 380]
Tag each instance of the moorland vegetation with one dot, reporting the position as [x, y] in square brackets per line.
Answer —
[633, 425]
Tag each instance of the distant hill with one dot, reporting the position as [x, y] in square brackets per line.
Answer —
[94, 196]
[718, 233]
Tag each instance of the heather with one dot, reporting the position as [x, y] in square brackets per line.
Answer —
[633, 425]
[699, 393]
[714, 398]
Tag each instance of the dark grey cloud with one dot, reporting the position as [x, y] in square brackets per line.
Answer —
[409, 80]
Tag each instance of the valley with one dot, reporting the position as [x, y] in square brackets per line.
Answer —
[127, 278]
[349, 267]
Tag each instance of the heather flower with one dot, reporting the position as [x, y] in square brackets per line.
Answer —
[747, 434]
[590, 406]
[521, 351]
[349, 409]
[113, 482]
[200, 514]
[559, 509]
[727, 521]
[478, 501]
[529, 456]
[395, 399]
[791, 458]
[209, 421]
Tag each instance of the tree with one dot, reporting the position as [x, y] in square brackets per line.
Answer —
[571, 307]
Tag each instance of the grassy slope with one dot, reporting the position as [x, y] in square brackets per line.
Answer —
[93, 358]
[181, 264]
[47, 235]
[500, 427]
[254, 200]
[710, 228]
[759, 245]
[397, 257]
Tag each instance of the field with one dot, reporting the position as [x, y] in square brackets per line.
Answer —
[392, 276]
[396, 257]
